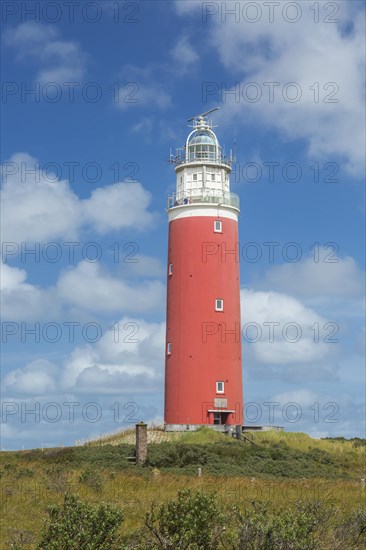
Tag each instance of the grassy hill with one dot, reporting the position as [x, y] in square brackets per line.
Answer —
[279, 469]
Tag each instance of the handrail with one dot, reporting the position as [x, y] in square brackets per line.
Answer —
[217, 198]
[183, 159]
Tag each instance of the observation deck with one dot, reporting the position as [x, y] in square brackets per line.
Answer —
[204, 196]
[200, 158]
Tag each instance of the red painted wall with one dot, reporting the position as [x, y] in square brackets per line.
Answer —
[202, 351]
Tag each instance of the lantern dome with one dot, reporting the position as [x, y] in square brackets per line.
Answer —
[202, 145]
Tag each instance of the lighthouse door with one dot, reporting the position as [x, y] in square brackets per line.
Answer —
[217, 418]
[220, 418]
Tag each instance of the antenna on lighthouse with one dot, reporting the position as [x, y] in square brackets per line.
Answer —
[202, 115]
[235, 145]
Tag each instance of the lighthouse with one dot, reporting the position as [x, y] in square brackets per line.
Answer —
[203, 359]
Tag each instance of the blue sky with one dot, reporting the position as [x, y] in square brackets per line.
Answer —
[86, 177]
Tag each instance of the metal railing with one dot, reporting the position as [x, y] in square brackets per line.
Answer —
[204, 196]
[203, 158]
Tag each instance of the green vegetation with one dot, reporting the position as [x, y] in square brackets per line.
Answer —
[80, 525]
[194, 521]
[288, 476]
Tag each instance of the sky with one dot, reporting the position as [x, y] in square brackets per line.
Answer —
[95, 95]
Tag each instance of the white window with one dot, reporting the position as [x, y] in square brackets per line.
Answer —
[220, 387]
[170, 269]
[194, 177]
[218, 226]
[219, 304]
[181, 179]
[212, 177]
[169, 348]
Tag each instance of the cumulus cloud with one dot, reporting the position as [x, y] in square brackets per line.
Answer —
[323, 59]
[36, 378]
[38, 206]
[333, 276]
[118, 206]
[22, 301]
[127, 359]
[320, 414]
[85, 290]
[93, 289]
[283, 334]
[61, 60]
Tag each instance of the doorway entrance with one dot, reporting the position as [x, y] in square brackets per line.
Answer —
[219, 418]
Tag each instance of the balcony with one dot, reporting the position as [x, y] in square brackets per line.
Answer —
[204, 196]
[201, 158]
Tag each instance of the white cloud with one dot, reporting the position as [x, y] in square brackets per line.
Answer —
[21, 301]
[142, 87]
[122, 361]
[29, 38]
[61, 60]
[330, 276]
[36, 378]
[282, 344]
[303, 52]
[39, 207]
[36, 206]
[183, 7]
[128, 359]
[118, 206]
[144, 126]
[85, 288]
[83, 291]
[92, 289]
[320, 414]
[303, 397]
[131, 337]
[184, 55]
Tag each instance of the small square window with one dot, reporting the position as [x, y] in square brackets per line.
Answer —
[220, 387]
[219, 304]
[170, 269]
[218, 226]
[194, 177]
[169, 348]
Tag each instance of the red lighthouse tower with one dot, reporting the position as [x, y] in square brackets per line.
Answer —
[203, 367]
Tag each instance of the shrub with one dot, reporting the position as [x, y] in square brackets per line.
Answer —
[77, 525]
[191, 521]
[291, 529]
[176, 455]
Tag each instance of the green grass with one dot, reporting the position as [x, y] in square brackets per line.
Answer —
[280, 468]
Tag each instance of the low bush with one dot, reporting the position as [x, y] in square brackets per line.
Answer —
[191, 521]
[78, 525]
